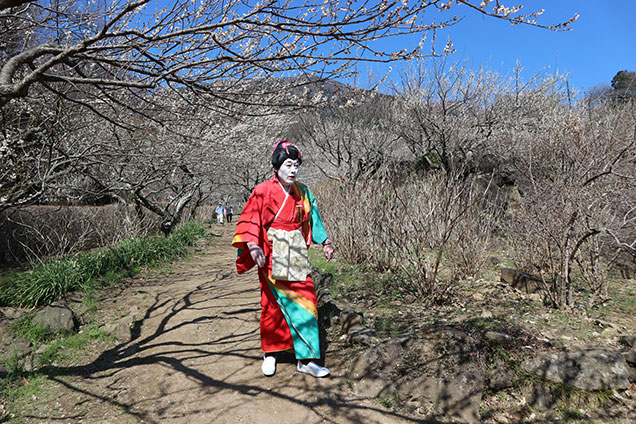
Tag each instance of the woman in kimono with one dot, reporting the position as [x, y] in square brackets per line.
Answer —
[276, 227]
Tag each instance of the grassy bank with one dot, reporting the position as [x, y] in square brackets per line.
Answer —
[46, 283]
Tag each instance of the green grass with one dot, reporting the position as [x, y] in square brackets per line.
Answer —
[27, 329]
[344, 275]
[623, 294]
[15, 389]
[19, 394]
[90, 302]
[391, 401]
[14, 368]
[351, 280]
[389, 324]
[93, 271]
[66, 347]
[19, 387]
[59, 345]
[49, 282]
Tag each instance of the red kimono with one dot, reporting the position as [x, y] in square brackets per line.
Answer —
[289, 317]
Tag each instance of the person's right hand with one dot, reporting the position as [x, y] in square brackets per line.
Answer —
[257, 254]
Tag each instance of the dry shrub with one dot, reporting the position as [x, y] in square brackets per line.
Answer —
[201, 213]
[431, 230]
[575, 214]
[350, 219]
[34, 233]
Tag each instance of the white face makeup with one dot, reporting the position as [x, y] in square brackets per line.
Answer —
[288, 171]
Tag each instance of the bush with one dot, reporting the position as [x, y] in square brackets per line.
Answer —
[575, 215]
[50, 281]
[430, 231]
[34, 233]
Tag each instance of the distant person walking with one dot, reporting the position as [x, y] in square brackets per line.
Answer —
[219, 213]
[228, 212]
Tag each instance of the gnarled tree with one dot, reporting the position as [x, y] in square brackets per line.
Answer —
[112, 58]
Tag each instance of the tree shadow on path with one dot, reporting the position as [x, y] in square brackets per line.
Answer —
[195, 357]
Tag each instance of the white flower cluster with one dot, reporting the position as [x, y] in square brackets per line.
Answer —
[507, 11]
[447, 5]
[448, 48]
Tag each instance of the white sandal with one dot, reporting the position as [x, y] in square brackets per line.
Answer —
[269, 365]
[313, 369]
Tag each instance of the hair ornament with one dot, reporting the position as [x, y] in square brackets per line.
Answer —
[284, 144]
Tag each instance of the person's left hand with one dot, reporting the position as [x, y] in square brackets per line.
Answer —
[328, 251]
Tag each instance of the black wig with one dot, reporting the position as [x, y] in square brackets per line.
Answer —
[285, 150]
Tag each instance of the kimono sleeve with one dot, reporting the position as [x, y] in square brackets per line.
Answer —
[318, 232]
[248, 228]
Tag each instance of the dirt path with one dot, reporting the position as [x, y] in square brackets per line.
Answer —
[194, 357]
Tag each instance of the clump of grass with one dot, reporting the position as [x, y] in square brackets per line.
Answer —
[350, 280]
[391, 401]
[48, 282]
[63, 348]
[19, 386]
[13, 366]
[27, 329]
[390, 324]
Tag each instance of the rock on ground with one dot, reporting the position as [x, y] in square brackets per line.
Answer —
[56, 317]
[588, 369]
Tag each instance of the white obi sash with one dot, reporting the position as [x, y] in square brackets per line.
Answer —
[290, 261]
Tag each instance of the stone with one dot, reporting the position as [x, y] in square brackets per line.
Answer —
[4, 372]
[14, 346]
[55, 317]
[371, 388]
[630, 357]
[29, 363]
[422, 390]
[120, 328]
[348, 319]
[541, 397]
[500, 376]
[135, 313]
[497, 337]
[377, 359]
[500, 418]
[486, 314]
[588, 369]
[323, 295]
[478, 297]
[606, 324]
[520, 280]
[631, 374]
[11, 313]
[326, 279]
[124, 396]
[609, 332]
[370, 373]
[328, 311]
[321, 280]
[495, 260]
[361, 335]
[460, 395]
[424, 371]
[628, 340]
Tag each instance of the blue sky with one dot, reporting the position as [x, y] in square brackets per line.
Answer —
[601, 43]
